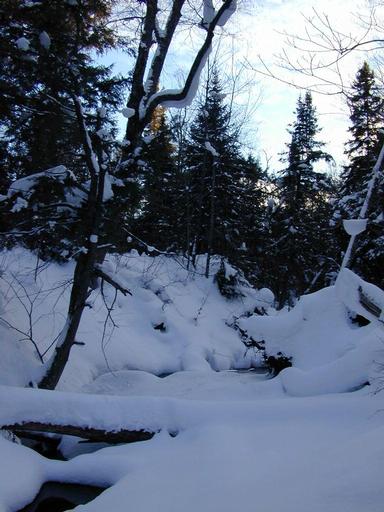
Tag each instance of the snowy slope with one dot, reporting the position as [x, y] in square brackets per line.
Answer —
[188, 305]
[243, 442]
[329, 353]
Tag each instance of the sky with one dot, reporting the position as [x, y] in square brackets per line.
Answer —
[260, 38]
[253, 39]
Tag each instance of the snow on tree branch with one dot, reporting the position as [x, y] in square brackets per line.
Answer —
[25, 185]
[180, 98]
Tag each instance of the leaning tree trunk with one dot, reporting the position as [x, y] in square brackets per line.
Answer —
[79, 294]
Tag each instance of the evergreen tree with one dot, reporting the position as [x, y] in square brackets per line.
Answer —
[217, 178]
[158, 222]
[46, 58]
[366, 107]
[45, 65]
[299, 226]
[252, 212]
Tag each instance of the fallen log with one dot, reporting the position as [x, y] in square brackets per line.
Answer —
[87, 433]
[363, 298]
[368, 304]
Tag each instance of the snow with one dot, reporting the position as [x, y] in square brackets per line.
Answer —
[266, 295]
[108, 192]
[227, 14]
[127, 112]
[45, 40]
[208, 11]
[354, 226]
[102, 112]
[210, 148]
[25, 185]
[276, 452]
[295, 443]
[23, 44]
[329, 353]
[347, 288]
[190, 94]
[19, 204]
[193, 311]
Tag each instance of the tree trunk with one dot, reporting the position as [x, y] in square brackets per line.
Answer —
[211, 228]
[79, 294]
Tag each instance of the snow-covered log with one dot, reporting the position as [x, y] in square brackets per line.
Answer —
[91, 434]
[363, 298]
[96, 417]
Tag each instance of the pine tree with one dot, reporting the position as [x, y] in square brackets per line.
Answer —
[366, 107]
[299, 227]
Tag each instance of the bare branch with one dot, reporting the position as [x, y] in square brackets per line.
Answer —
[106, 277]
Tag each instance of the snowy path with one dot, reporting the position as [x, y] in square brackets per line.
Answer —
[242, 445]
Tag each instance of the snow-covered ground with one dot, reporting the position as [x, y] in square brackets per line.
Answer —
[303, 441]
[190, 307]
[256, 449]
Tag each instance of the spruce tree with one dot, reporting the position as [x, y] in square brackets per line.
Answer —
[46, 58]
[216, 170]
[299, 226]
[159, 222]
[47, 63]
[252, 201]
[366, 106]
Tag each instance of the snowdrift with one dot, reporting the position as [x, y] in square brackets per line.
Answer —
[175, 319]
[330, 353]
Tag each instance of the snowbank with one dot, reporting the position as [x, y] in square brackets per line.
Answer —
[330, 354]
[177, 320]
[174, 320]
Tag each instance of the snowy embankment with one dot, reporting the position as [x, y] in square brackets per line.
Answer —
[330, 353]
[175, 319]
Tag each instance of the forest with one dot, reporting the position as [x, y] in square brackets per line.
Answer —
[186, 321]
